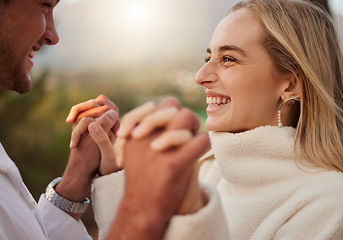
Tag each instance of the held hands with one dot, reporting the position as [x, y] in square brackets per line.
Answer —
[158, 146]
[146, 119]
[100, 119]
[159, 151]
[137, 124]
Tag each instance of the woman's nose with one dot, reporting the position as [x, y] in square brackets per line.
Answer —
[206, 75]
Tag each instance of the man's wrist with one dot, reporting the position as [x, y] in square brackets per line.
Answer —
[74, 189]
[146, 224]
[63, 203]
[76, 180]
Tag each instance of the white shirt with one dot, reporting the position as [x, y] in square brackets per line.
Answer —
[23, 218]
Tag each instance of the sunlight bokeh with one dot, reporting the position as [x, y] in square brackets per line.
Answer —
[137, 13]
[104, 33]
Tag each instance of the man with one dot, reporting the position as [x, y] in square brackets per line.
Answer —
[25, 26]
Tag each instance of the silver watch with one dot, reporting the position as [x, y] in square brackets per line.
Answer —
[61, 202]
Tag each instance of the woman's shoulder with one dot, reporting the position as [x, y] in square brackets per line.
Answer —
[329, 179]
[325, 185]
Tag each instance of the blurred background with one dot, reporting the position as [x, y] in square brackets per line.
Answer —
[130, 50]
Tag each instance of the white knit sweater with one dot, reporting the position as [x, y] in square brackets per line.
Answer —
[256, 191]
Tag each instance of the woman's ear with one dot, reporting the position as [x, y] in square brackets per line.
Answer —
[291, 87]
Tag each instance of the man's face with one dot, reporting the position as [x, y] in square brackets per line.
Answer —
[25, 25]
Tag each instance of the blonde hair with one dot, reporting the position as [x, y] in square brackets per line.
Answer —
[301, 38]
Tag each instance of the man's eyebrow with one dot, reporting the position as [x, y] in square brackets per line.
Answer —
[229, 47]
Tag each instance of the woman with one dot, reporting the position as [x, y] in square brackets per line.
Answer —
[273, 80]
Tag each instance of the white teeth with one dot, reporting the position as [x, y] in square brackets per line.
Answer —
[217, 100]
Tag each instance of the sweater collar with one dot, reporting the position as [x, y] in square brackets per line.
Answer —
[256, 158]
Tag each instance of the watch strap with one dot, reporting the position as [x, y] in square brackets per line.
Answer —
[63, 203]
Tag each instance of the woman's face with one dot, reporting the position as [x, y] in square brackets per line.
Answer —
[242, 85]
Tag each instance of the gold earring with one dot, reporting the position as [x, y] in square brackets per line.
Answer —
[289, 102]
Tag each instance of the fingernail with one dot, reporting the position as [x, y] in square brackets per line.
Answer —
[71, 145]
[157, 145]
[137, 132]
[68, 119]
[120, 132]
[93, 128]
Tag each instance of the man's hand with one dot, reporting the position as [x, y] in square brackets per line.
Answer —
[84, 157]
[157, 181]
[93, 108]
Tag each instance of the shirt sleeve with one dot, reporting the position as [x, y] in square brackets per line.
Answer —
[208, 223]
[57, 224]
[107, 192]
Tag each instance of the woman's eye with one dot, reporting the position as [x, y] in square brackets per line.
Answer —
[229, 59]
[224, 59]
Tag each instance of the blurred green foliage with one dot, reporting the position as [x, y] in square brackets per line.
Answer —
[35, 134]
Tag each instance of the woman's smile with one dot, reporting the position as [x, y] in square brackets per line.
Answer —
[216, 103]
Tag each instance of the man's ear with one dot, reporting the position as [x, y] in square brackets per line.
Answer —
[291, 87]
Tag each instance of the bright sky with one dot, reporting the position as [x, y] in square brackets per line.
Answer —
[123, 32]
[336, 5]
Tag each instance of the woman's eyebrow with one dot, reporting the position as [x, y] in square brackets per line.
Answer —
[229, 47]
